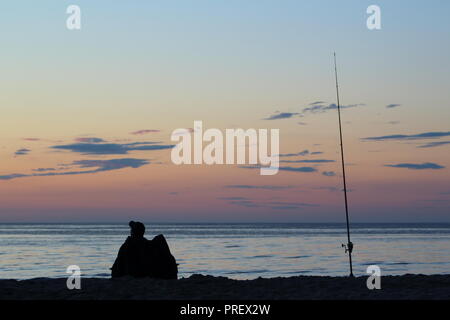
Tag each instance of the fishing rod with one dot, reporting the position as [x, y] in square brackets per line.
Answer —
[349, 246]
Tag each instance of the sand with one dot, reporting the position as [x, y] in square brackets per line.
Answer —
[200, 287]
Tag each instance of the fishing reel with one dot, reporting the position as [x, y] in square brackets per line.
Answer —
[348, 247]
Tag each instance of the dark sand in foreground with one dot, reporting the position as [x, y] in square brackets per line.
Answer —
[198, 287]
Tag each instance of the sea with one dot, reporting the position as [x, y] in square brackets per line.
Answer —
[238, 251]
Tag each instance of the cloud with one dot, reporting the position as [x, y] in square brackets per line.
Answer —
[145, 131]
[292, 169]
[89, 140]
[31, 139]
[329, 173]
[245, 203]
[301, 169]
[264, 187]
[111, 148]
[302, 123]
[232, 198]
[112, 164]
[331, 189]
[276, 205]
[22, 152]
[301, 153]
[44, 169]
[98, 165]
[281, 115]
[425, 135]
[434, 144]
[413, 166]
[393, 105]
[296, 204]
[321, 107]
[12, 176]
[317, 102]
[436, 200]
[393, 122]
[316, 153]
[308, 161]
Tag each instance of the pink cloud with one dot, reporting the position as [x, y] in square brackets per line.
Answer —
[145, 131]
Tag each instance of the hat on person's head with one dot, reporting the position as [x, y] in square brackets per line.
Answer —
[137, 228]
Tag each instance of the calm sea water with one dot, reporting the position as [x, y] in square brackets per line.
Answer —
[240, 251]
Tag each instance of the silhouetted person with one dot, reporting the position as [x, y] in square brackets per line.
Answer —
[140, 257]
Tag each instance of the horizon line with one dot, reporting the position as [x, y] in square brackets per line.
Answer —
[226, 222]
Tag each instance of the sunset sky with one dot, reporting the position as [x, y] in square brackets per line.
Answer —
[87, 114]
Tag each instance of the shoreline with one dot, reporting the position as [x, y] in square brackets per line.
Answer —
[204, 287]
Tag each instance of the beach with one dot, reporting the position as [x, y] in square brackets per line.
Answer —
[201, 287]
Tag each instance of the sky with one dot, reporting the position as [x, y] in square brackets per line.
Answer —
[87, 114]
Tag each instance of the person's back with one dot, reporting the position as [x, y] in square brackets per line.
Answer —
[132, 258]
[165, 266]
[139, 257]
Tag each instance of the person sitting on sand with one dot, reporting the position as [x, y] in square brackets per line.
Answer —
[140, 257]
